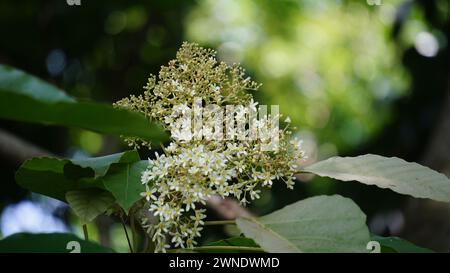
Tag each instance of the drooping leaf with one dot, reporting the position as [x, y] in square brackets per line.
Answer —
[391, 173]
[54, 177]
[89, 203]
[101, 164]
[317, 224]
[124, 182]
[17, 81]
[49, 243]
[45, 176]
[26, 98]
[398, 245]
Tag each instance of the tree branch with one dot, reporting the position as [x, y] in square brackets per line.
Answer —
[16, 150]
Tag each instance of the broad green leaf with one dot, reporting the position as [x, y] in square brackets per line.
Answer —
[54, 177]
[386, 172]
[124, 182]
[45, 176]
[101, 164]
[317, 224]
[89, 203]
[48, 243]
[398, 245]
[17, 81]
[26, 98]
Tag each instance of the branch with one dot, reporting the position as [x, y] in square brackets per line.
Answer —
[227, 208]
[16, 150]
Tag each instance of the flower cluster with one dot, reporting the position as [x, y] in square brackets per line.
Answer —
[189, 172]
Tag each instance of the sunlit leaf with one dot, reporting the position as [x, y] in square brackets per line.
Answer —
[386, 172]
[317, 224]
[26, 98]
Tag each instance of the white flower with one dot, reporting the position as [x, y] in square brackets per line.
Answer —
[193, 170]
[178, 86]
[254, 194]
[172, 147]
[252, 105]
[146, 176]
[148, 194]
[198, 217]
[215, 88]
[266, 178]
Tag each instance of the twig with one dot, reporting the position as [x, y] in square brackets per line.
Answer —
[223, 222]
[85, 231]
[16, 150]
[220, 248]
[227, 208]
[126, 235]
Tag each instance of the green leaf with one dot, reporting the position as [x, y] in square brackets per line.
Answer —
[101, 164]
[26, 98]
[317, 224]
[398, 245]
[54, 177]
[392, 173]
[89, 203]
[14, 80]
[235, 241]
[124, 182]
[48, 243]
[45, 176]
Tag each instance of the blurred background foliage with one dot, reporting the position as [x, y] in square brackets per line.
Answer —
[354, 77]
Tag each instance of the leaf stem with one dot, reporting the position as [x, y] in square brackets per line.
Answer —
[134, 233]
[126, 235]
[221, 248]
[85, 231]
[222, 222]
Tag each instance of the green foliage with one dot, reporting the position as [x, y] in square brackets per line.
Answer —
[26, 98]
[317, 224]
[89, 203]
[55, 177]
[48, 243]
[124, 182]
[392, 173]
[101, 165]
[91, 185]
[398, 245]
[46, 176]
[329, 78]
